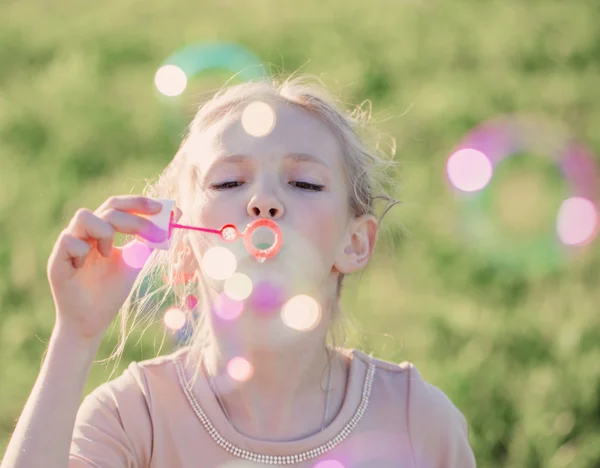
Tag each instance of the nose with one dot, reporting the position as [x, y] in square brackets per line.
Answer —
[265, 205]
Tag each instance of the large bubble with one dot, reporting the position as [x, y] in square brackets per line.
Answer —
[527, 192]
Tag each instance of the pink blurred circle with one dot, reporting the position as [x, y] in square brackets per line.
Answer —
[136, 254]
[191, 301]
[469, 170]
[240, 369]
[266, 297]
[227, 308]
[577, 221]
[329, 464]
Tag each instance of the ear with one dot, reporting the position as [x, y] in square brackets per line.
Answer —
[356, 249]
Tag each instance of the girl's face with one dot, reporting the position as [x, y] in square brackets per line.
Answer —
[294, 175]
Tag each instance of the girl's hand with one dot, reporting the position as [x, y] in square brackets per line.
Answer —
[88, 276]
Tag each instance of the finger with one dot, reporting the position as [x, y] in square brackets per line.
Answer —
[74, 250]
[78, 262]
[131, 203]
[128, 223]
[87, 226]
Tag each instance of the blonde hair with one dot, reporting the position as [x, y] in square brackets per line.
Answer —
[367, 174]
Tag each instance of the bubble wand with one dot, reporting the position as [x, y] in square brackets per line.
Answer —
[229, 233]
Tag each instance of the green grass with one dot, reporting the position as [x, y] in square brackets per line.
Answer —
[519, 354]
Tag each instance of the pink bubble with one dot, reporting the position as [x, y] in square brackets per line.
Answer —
[170, 80]
[240, 369]
[136, 254]
[329, 464]
[266, 297]
[577, 221]
[174, 318]
[469, 170]
[191, 301]
[227, 308]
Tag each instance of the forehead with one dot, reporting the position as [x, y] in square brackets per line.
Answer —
[295, 131]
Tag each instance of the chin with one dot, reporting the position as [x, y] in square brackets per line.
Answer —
[269, 332]
[296, 271]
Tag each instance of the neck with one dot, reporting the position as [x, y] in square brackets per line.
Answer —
[284, 382]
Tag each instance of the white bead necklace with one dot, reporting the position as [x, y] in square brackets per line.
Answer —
[277, 459]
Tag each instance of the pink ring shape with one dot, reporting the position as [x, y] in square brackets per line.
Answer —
[227, 230]
[263, 253]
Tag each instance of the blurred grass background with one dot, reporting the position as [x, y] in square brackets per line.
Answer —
[80, 120]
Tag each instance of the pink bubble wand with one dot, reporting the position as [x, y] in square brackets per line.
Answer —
[229, 233]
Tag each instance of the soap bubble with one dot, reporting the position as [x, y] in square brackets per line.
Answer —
[301, 313]
[174, 318]
[136, 254]
[240, 369]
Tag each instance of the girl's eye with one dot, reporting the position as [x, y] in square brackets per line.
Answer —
[226, 185]
[307, 186]
[298, 184]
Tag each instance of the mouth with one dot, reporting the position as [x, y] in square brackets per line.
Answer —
[263, 238]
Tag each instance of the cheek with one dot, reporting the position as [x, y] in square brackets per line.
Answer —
[216, 212]
[323, 225]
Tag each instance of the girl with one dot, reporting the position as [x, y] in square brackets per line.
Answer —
[249, 390]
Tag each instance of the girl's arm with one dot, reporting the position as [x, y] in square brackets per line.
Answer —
[42, 436]
[90, 280]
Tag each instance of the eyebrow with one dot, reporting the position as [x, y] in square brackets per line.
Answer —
[295, 157]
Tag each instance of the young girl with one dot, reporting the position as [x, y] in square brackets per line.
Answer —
[249, 390]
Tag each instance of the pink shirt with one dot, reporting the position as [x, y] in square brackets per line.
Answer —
[145, 418]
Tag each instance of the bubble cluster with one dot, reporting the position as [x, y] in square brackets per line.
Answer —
[193, 63]
[266, 297]
[477, 169]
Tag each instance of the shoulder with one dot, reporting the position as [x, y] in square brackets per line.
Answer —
[380, 364]
[131, 396]
[139, 378]
[436, 428]
[387, 373]
[423, 396]
[427, 403]
[114, 422]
